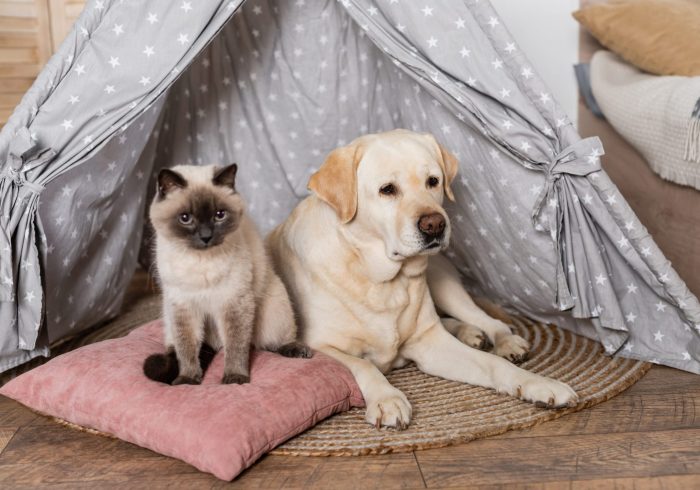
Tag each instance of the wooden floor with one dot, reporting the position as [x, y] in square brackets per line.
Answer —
[647, 437]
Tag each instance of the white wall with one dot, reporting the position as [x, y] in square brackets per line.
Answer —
[549, 37]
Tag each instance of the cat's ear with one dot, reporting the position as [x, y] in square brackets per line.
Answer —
[226, 176]
[335, 182]
[169, 180]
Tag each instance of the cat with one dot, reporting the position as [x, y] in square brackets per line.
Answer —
[219, 288]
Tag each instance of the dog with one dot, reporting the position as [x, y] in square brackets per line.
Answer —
[361, 260]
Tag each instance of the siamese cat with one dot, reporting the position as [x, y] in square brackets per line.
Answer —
[219, 288]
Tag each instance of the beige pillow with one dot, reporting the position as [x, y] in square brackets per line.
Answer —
[658, 36]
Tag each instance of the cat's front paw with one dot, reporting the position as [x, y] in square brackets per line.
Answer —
[295, 349]
[187, 380]
[235, 379]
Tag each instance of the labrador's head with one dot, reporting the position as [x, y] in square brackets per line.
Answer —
[391, 186]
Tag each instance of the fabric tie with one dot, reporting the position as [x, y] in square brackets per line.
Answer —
[581, 158]
[18, 196]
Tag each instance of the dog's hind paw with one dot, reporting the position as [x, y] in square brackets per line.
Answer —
[512, 347]
[473, 337]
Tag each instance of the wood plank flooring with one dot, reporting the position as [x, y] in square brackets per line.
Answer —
[647, 437]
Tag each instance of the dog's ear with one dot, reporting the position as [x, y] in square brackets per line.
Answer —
[449, 165]
[336, 181]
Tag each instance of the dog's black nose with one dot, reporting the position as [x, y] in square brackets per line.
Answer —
[432, 225]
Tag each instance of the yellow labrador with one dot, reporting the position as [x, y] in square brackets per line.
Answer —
[360, 260]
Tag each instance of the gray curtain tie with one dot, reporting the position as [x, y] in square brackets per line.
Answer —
[22, 158]
[581, 158]
[18, 203]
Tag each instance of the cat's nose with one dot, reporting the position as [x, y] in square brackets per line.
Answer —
[205, 234]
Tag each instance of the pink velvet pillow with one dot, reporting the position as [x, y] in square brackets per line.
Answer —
[221, 429]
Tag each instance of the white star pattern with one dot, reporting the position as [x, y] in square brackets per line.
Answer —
[658, 336]
[600, 279]
[308, 130]
[660, 306]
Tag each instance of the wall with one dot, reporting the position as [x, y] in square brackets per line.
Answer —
[549, 37]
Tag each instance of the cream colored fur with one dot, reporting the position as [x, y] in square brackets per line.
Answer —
[366, 292]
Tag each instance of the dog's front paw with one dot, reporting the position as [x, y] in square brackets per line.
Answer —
[512, 347]
[473, 337]
[546, 392]
[390, 410]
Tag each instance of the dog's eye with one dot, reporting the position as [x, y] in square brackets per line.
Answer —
[388, 190]
[185, 218]
[220, 215]
[432, 181]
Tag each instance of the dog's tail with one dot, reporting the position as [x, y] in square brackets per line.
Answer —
[164, 368]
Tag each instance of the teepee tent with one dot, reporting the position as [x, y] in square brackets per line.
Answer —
[274, 86]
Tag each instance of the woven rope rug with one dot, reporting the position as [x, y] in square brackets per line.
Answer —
[444, 412]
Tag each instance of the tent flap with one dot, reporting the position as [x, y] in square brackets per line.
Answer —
[538, 225]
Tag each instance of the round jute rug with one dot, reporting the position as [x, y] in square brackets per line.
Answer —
[444, 412]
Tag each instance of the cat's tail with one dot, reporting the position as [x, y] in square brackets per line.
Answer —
[164, 368]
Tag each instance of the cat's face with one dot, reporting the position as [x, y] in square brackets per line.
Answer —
[196, 206]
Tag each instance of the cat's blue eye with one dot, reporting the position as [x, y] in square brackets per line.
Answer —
[220, 215]
[185, 218]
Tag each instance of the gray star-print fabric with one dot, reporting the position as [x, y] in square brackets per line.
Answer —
[276, 85]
